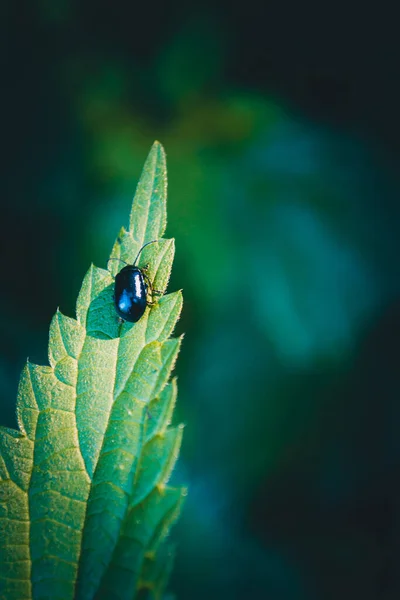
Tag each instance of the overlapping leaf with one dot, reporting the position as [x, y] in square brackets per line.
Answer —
[84, 504]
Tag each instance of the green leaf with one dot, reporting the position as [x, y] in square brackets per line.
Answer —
[149, 213]
[84, 505]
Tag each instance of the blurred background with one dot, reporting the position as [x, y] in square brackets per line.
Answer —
[282, 134]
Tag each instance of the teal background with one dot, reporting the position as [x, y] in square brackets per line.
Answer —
[282, 135]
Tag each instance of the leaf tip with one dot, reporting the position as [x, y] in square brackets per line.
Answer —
[157, 153]
[158, 146]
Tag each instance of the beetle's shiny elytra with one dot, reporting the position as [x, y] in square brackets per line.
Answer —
[130, 295]
[131, 290]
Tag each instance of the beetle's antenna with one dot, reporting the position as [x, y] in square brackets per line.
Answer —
[120, 259]
[144, 246]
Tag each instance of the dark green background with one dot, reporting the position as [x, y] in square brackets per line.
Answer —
[282, 135]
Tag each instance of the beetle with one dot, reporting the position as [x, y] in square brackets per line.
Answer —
[132, 285]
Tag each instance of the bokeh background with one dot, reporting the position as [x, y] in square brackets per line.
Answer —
[282, 134]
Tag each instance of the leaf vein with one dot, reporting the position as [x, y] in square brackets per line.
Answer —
[56, 522]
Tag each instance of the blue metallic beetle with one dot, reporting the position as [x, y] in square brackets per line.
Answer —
[132, 286]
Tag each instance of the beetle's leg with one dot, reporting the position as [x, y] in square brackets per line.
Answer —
[151, 302]
[153, 292]
[150, 287]
[154, 302]
[147, 278]
[148, 282]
